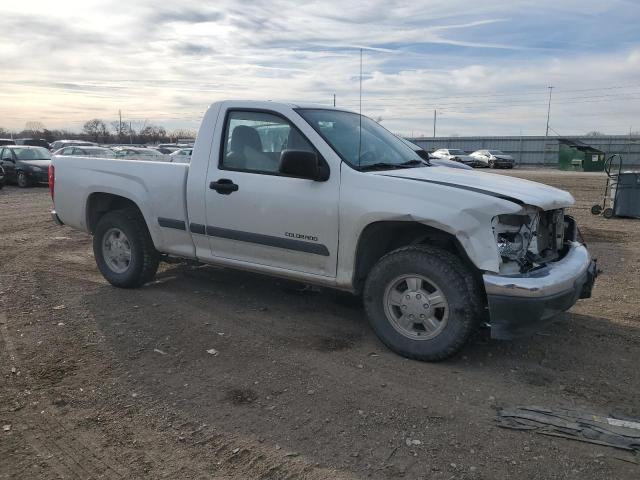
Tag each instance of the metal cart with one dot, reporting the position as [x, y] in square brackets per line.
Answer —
[621, 193]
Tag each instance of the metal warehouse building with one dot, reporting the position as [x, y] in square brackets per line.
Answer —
[538, 151]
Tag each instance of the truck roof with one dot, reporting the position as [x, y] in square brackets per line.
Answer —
[267, 104]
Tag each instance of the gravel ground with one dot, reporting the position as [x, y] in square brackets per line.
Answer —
[97, 382]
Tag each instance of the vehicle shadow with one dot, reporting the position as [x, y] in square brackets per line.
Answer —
[206, 306]
[301, 367]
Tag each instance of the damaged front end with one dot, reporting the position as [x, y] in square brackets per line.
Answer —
[545, 269]
[531, 239]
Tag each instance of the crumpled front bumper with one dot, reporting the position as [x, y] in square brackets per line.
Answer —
[520, 304]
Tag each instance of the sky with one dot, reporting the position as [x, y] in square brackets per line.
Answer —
[485, 66]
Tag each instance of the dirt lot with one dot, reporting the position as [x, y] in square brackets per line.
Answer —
[98, 382]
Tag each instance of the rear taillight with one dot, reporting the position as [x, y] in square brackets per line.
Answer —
[52, 179]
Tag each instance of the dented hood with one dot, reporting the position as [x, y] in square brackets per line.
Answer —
[516, 190]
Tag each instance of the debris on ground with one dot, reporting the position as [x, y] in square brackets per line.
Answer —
[213, 351]
[6, 428]
[157, 350]
[59, 307]
[573, 424]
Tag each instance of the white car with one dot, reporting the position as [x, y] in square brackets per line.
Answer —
[139, 153]
[182, 155]
[86, 151]
[455, 155]
[438, 162]
[331, 198]
[493, 158]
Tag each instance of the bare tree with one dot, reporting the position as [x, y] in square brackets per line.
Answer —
[594, 133]
[120, 129]
[34, 127]
[152, 133]
[185, 133]
[95, 129]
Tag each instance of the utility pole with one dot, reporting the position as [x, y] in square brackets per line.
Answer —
[130, 133]
[334, 99]
[546, 135]
[119, 126]
[435, 117]
[548, 112]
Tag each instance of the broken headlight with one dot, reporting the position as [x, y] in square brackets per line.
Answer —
[510, 245]
[514, 234]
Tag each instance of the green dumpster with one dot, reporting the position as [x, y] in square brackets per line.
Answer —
[578, 156]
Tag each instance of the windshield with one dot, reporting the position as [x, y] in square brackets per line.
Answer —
[378, 146]
[453, 151]
[32, 153]
[495, 152]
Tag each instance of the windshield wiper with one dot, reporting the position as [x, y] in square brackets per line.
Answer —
[388, 166]
[413, 163]
[382, 166]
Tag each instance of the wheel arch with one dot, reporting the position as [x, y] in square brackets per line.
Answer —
[100, 203]
[379, 238]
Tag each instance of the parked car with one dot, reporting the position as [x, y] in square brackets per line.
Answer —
[58, 144]
[139, 153]
[455, 155]
[7, 141]
[341, 203]
[438, 162]
[25, 165]
[181, 156]
[493, 158]
[167, 148]
[34, 142]
[89, 151]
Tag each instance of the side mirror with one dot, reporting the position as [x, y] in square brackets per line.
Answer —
[303, 164]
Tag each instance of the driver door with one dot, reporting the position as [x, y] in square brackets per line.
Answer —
[257, 215]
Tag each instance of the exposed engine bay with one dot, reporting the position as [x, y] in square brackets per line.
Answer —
[531, 239]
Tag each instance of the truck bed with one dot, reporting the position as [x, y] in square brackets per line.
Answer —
[158, 188]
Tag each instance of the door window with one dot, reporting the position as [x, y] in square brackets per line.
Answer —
[253, 141]
[6, 154]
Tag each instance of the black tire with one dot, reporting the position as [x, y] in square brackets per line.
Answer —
[144, 257]
[607, 213]
[454, 280]
[596, 210]
[492, 164]
[23, 180]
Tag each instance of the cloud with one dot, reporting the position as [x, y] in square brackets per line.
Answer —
[484, 65]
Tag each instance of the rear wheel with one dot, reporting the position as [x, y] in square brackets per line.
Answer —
[596, 209]
[422, 303]
[23, 180]
[124, 250]
[607, 213]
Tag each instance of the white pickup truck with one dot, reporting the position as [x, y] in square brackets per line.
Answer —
[330, 198]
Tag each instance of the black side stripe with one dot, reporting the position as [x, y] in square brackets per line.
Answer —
[197, 228]
[171, 223]
[464, 187]
[258, 238]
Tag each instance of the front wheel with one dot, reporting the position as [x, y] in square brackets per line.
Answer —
[422, 302]
[23, 180]
[124, 250]
[492, 164]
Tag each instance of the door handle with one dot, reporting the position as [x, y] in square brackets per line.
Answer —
[224, 186]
